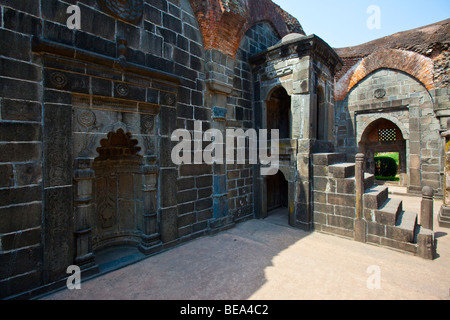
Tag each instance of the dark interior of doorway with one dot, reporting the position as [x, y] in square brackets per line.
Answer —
[277, 192]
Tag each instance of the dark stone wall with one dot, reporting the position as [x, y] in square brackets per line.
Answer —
[37, 152]
[21, 147]
[55, 80]
[240, 115]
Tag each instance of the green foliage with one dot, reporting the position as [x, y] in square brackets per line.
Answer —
[393, 155]
[385, 167]
[381, 178]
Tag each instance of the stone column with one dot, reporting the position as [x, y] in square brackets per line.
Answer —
[221, 218]
[426, 210]
[84, 213]
[151, 237]
[360, 223]
[425, 239]
[219, 89]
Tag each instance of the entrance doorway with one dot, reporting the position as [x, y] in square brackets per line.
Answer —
[278, 116]
[277, 197]
[384, 138]
[277, 192]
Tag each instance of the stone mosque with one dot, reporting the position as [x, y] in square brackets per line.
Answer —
[87, 116]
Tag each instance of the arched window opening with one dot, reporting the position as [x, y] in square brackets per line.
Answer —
[321, 119]
[279, 113]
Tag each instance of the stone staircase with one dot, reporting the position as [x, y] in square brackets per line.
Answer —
[387, 223]
[444, 217]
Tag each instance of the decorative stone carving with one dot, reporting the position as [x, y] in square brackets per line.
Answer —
[118, 145]
[147, 123]
[380, 93]
[128, 10]
[86, 119]
[122, 45]
[169, 99]
[122, 90]
[58, 80]
[57, 145]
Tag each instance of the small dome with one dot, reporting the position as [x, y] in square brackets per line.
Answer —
[292, 37]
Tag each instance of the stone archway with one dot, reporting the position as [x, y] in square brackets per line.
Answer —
[278, 188]
[383, 135]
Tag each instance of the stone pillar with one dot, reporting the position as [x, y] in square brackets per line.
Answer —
[219, 88]
[84, 213]
[426, 210]
[151, 237]
[425, 239]
[360, 223]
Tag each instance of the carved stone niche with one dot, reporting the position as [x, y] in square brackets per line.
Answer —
[122, 199]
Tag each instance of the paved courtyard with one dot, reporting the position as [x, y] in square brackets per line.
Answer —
[268, 260]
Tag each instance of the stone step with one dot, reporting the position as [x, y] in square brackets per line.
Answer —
[405, 228]
[444, 222]
[444, 217]
[342, 170]
[369, 180]
[326, 159]
[375, 196]
[399, 245]
[389, 212]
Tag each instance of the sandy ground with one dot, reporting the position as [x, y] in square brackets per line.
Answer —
[268, 260]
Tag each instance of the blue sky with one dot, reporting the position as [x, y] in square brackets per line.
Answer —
[343, 23]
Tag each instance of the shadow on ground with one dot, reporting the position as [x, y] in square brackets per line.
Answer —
[230, 265]
[268, 260]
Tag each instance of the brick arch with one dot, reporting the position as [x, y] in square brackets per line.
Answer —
[223, 24]
[414, 64]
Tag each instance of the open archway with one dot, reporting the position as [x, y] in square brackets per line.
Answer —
[278, 115]
[384, 136]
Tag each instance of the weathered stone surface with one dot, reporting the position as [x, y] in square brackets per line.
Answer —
[58, 230]
[20, 110]
[20, 195]
[169, 224]
[20, 217]
[375, 197]
[30, 173]
[389, 212]
[342, 199]
[6, 175]
[57, 146]
[13, 152]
